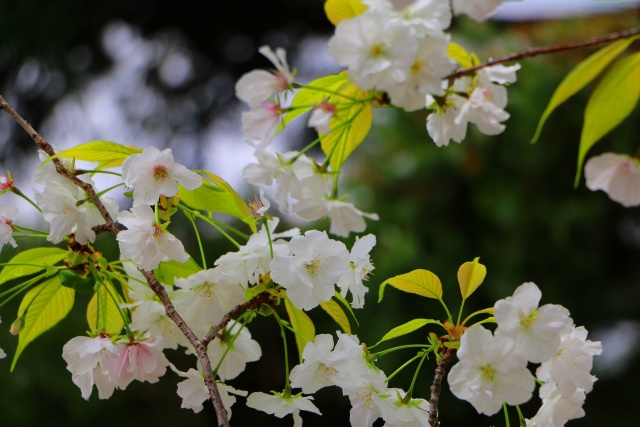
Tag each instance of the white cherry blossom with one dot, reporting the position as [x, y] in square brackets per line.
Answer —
[8, 215]
[153, 173]
[281, 404]
[479, 10]
[237, 347]
[313, 374]
[536, 330]
[361, 266]
[258, 85]
[145, 242]
[311, 271]
[491, 371]
[617, 175]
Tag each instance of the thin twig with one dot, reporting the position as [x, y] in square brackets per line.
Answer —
[537, 51]
[111, 226]
[437, 386]
[252, 304]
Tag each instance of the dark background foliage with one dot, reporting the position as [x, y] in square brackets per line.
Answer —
[499, 198]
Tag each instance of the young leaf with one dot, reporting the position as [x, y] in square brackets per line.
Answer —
[406, 328]
[348, 127]
[103, 312]
[302, 324]
[420, 282]
[167, 271]
[40, 257]
[470, 276]
[461, 56]
[108, 154]
[336, 312]
[612, 101]
[45, 306]
[581, 76]
[217, 197]
[338, 10]
[315, 92]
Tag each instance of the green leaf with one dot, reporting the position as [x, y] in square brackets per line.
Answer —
[349, 125]
[167, 271]
[71, 279]
[611, 102]
[302, 324]
[217, 196]
[581, 76]
[103, 312]
[41, 258]
[470, 276]
[336, 312]
[313, 94]
[419, 282]
[43, 307]
[406, 328]
[108, 154]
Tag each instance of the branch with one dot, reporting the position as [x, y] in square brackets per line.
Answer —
[537, 51]
[111, 226]
[199, 346]
[437, 386]
[42, 143]
[252, 304]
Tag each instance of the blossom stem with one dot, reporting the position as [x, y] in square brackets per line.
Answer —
[18, 289]
[32, 230]
[191, 219]
[376, 356]
[484, 311]
[506, 414]
[436, 386]
[266, 227]
[415, 376]
[533, 52]
[212, 223]
[287, 387]
[19, 193]
[404, 365]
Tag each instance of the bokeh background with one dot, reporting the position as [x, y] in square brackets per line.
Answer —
[154, 72]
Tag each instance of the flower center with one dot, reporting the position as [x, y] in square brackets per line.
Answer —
[160, 172]
[313, 267]
[488, 372]
[527, 321]
[377, 50]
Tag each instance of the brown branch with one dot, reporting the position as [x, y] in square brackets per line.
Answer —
[199, 345]
[111, 226]
[437, 386]
[252, 304]
[537, 51]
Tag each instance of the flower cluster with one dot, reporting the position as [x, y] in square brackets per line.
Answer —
[493, 367]
[347, 366]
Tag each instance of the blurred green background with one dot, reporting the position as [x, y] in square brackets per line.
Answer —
[500, 198]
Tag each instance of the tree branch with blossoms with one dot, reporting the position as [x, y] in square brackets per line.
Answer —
[112, 227]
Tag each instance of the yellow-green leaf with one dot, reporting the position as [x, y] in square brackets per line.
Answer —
[338, 10]
[313, 94]
[406, 328]
[470, 276]
[108, 154]
[611, 102]
[167, 271]
[419, 282]
[348, 127]
[582, 75]
[102, 311]
[461, 56]
[336, 312]
[43, 307]
[218, 196]
[302, 324]
[41, 258]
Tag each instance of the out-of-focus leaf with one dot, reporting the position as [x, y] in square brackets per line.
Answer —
[302, 324]
[581, 76]
[167, 271]
[338, 10]
[612, 101]
[103, 312]
[313, 94]
[336, 312]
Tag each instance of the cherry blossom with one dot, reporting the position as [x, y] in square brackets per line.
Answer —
[153, 173]
[233, 351]
[617, 175]
[479, 10]
[258, 85]
[361, 266]
[491, 371]
[8, 215]
[281, 404]
[311, 271]
[145, 242]
[313, 374]
[141, 360]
